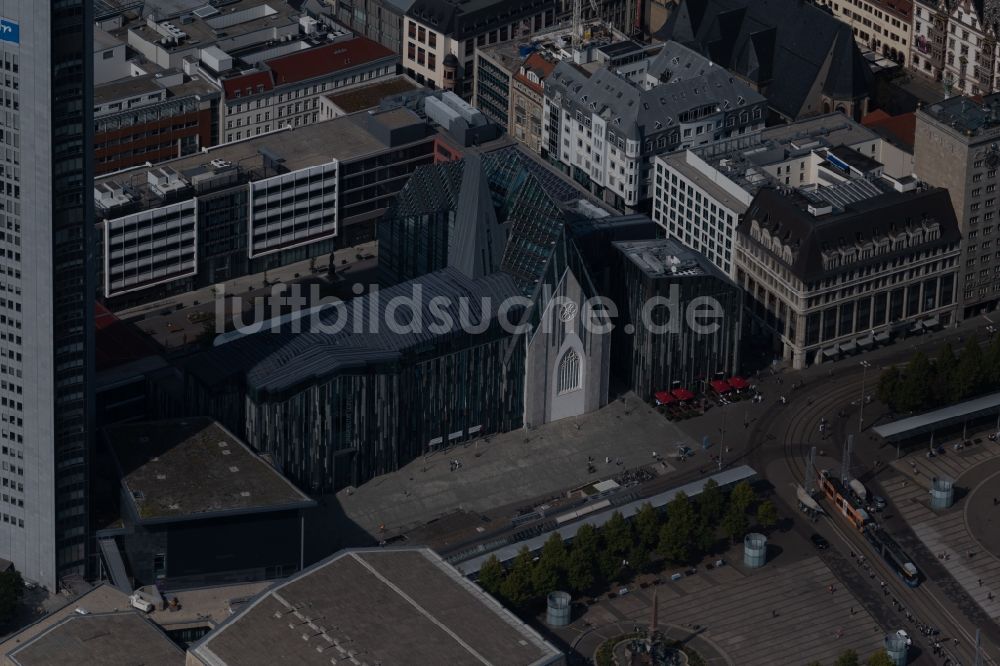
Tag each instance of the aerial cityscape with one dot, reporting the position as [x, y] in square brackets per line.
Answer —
[500, 332]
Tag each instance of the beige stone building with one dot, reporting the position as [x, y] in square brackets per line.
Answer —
[956, 147]
[882, 26]
[441, 36]
[955, 42]
[527, 102]
[838, 270]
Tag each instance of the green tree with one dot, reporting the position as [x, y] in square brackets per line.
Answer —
[639, 557]
[579, 571]
[647, 526]
[735, 523]
[711, 503]
[945, 371]
[491, 575]
[969, 374]
[517, 588]
[549, 573]
[992, 362]
[915, 389]
[880, 658]
[704, 534]
[889, 385]
[11, 591]
[587, 540]
[848, 658]
[767, 515]
[617, 535]
[742, 497]
[677, 536]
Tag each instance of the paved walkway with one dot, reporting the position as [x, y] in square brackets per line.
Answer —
[774, 615]
[948, 532]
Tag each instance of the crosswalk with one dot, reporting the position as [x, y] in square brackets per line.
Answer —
[946, 533]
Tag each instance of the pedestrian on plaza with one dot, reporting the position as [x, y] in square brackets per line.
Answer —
[852, 610]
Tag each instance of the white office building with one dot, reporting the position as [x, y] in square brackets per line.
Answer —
[604, 129]
[700, 194]
[46, 304]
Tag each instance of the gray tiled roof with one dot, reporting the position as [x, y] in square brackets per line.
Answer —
[634, 112]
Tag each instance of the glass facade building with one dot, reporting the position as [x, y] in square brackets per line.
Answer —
[657, 285]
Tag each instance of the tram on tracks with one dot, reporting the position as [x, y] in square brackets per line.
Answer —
[844, 500]
[848, 504]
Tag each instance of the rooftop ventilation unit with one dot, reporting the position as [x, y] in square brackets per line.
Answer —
[164, 180]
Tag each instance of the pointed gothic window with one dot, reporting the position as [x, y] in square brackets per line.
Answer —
[569, 372]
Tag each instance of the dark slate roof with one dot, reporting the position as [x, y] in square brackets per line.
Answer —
[780, 45]
[785, 215]
[284, 360]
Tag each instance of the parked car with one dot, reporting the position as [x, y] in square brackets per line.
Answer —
[880, 502]
[902, 634]
[819, 542]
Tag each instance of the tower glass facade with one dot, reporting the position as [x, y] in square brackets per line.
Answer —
[46, 329]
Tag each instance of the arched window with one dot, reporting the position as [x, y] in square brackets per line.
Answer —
[569, 372]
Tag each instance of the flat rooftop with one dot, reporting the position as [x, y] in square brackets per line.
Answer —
[742, 159]
[664, 257]
[368, 97]
[233, 20]
[343, 139]
[966, 115]
[124, 89]
[191, 468]
[854, 159]
[679, 162]
[505, 473]
[112, 639]
[939, 418]
[132, 86]
[388, 606]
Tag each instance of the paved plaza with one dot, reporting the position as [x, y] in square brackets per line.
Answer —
[780, 614]
[502, 473]
[969, 527]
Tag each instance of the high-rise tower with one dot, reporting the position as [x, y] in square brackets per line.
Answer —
[46, 285]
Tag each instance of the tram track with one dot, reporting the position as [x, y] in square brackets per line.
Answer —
[796, 438]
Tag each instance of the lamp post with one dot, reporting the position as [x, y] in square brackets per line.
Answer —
[861, 411]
